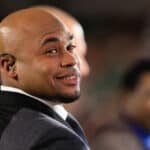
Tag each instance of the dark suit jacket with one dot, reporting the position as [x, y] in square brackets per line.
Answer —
[27, 124]
[117, 135]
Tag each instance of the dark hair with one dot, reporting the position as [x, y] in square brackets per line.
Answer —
[132, 76]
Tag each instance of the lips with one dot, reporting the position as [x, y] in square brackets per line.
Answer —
[70, 78]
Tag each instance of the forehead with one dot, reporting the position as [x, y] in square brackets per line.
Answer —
[42, 25]
[31, 26]
[30, 19]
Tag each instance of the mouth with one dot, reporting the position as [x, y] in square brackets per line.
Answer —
[69, 78]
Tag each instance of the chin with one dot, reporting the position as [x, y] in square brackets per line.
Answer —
[67, 98]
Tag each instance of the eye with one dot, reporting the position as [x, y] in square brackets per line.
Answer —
[51, 51]
[71, 47]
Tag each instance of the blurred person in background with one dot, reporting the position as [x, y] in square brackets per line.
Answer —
[130, 130]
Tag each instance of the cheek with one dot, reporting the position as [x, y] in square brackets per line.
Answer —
[46, 72]
[24, 71]
[30, 72]
[46, 68]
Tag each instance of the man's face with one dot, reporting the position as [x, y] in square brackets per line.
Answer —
[77, 30]
[47, 66]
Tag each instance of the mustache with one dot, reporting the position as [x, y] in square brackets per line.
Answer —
[68, 72]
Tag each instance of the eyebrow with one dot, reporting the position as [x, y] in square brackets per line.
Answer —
[55, 39]
[50, 39]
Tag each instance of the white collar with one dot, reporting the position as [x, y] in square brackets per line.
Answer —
[59, 109]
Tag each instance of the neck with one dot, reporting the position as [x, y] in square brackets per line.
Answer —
[17, 90]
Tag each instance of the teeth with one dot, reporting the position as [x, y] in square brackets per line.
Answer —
[69, 77]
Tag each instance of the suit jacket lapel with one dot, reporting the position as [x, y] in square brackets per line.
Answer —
[76, 127]
[18, 101]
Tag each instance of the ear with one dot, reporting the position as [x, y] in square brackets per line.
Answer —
[7, 64]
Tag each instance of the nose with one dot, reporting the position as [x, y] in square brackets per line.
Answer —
[69, 59]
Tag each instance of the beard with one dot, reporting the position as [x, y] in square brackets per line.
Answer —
[63, 98]
[67, 98]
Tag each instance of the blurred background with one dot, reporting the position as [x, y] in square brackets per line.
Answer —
[117, 34]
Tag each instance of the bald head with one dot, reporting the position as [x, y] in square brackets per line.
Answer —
[68, 19]
[17, 27]
[21, 34]
[76, 29]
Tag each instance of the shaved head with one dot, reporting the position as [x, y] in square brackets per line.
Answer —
[21, 30]
[68, 19]
[17, 26]
[37, 55]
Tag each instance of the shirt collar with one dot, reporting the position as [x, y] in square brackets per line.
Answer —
[59, 109]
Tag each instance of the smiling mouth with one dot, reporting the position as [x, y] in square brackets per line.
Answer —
[70, 79]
